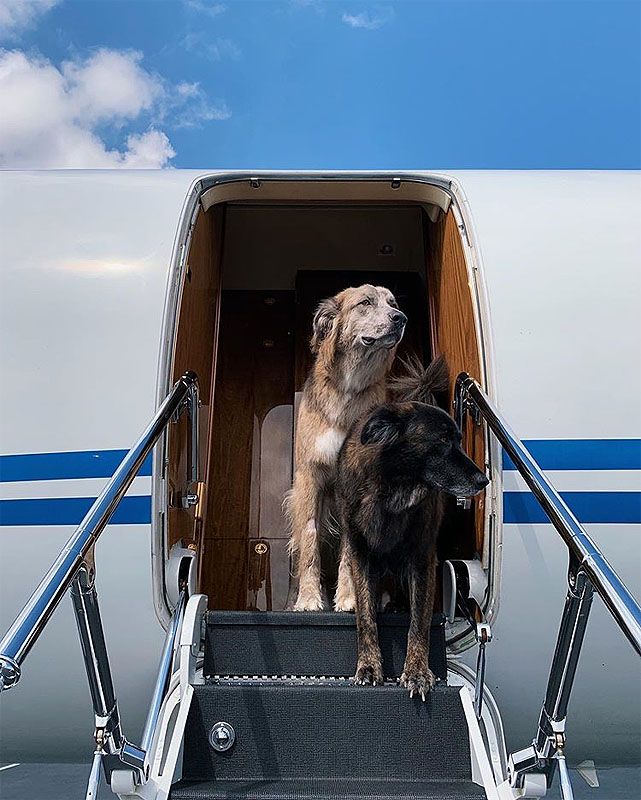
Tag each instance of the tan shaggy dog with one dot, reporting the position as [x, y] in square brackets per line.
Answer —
[355, 335]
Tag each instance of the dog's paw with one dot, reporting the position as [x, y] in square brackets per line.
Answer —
[368, 674]
[309, 602]
[418, 682]
[345, 603]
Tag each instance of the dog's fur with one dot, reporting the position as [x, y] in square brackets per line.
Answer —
[392, 472]
[355, 335]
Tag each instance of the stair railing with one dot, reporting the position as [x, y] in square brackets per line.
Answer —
[588, 571]
[74, 569]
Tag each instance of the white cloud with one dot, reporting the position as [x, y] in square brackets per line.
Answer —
[369, 20]
[148, 150]
[196, 107]
[316, 5]
[111, 85]
[215, 49]
[18, 14]
[58, 117]
[209, 7]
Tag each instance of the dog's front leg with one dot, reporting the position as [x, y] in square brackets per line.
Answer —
[369, 669]
[417, 677]
[305, 510]
[344, 599]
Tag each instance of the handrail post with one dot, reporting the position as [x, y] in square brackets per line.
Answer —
[103, 697]
[193, 405]
[569, 641]
[550, 736]
[191, 495]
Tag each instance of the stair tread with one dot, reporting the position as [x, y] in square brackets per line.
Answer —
[309, 618]
[327, 789]
[307, 643]
[327, 732]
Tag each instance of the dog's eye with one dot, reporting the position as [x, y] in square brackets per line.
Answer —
[365, 302]
[392, 303]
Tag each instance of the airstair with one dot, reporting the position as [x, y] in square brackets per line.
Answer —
[260, 705]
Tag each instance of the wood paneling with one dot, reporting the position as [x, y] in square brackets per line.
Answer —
[455, 336]
[195, 350]
[251, 452]
[224, 573]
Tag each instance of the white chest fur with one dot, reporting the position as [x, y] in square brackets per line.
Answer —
[328, 444]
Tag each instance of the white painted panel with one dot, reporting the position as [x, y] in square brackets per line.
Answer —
[87, 487]
[84, 260]
[561, 257]
[587, 480]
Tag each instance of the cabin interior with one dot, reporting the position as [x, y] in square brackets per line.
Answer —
[255, 273]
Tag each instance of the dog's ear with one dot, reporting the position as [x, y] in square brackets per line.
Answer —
[323, 320]
[383, 427]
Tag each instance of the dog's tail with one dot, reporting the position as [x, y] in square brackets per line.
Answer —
[419, 383]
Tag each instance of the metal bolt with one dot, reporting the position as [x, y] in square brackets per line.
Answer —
[260, 548]
[222, 737]
[189, 500]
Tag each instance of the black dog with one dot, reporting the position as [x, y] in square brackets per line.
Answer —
[392, 470]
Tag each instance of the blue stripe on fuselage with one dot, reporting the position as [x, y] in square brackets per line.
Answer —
[135, 510]
[594, 507]
[550, 454]
[582, 454]
[519, 507]
[65, 466]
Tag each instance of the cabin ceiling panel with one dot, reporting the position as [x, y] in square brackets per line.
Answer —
[266, 247]
[354, 190]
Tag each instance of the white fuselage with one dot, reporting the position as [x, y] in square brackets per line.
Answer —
[83, 280]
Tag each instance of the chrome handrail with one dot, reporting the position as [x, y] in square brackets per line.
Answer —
[164, 672]
[74, 570]
[614, 593]
[589, 570]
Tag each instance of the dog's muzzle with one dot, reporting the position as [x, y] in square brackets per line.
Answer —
[388, 340]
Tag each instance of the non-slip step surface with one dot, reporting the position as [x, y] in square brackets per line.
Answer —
[307, 643]
[327, 790]
[327, 732]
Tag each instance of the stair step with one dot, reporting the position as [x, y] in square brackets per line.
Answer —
[326, 790]
[301, 643]
[327, 732]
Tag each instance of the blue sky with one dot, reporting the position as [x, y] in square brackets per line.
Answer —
[313, 84]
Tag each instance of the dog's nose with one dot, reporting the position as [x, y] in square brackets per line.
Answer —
[481, 480]
[398, 317]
